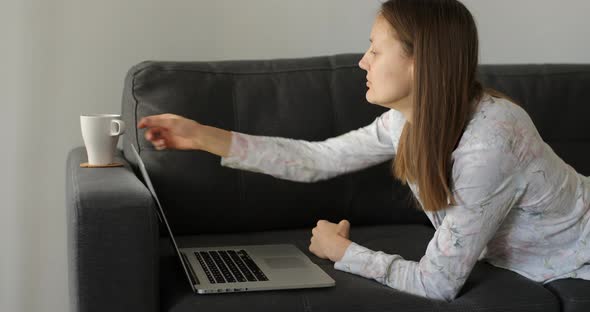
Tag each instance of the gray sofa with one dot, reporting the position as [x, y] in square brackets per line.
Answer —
[120, 258]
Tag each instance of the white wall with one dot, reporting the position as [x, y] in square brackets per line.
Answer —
[532, 31]
[12, 98]
[25, 101]
[63, 58]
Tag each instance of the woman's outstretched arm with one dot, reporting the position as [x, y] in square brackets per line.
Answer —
[305, 161]
[289, 159]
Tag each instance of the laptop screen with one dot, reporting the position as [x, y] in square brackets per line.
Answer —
[160, 213]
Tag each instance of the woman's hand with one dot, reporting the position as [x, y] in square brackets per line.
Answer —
[330, 240]
[171, 131]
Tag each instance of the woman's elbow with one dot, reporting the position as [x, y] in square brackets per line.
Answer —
[447, 292]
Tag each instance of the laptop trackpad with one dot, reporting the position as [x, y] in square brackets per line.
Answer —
[284, 262]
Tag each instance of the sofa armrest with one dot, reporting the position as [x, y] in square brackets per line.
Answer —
[112, 238]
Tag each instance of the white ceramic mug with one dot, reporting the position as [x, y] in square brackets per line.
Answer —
[101, 133]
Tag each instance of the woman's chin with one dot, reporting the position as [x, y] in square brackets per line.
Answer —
[372, 100]
[369, 97]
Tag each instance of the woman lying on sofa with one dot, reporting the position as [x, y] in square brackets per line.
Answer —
[493, 189]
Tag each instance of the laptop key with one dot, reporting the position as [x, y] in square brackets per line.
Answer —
[252, 266]
[224, 269]
[205, 268]
[213, 267]
[233, 268]
[242, 266]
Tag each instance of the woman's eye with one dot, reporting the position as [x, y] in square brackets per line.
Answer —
[373, 52]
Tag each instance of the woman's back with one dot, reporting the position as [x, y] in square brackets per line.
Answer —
[546, 234]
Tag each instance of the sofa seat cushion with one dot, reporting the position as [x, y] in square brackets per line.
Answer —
[572, 293]
[487, 289]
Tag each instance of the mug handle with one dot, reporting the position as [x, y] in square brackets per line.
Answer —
[120, 127]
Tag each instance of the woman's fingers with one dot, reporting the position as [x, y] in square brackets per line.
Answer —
[148, 121]
[143, 122]
[163, 130]
[163, 120]
[158, 137]
[156, 133]
[160, 146]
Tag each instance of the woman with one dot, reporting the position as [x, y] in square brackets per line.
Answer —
[474, 160]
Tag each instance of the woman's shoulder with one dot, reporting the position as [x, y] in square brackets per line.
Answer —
[496, 123]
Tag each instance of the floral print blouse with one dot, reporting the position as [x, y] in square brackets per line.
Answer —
[518, 205]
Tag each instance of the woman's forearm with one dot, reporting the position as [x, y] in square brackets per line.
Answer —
[213, 140]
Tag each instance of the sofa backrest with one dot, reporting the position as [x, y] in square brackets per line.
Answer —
[309, 98]
[313, 99]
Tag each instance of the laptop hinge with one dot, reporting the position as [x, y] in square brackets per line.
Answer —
[192, 275]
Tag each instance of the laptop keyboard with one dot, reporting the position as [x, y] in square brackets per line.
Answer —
[229, 266]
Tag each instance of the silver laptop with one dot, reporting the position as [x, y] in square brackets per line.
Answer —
[244, 267]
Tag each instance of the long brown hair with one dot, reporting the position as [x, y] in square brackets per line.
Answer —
[442, 37]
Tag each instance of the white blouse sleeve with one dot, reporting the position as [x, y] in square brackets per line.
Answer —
[305, 161]
[488, 183]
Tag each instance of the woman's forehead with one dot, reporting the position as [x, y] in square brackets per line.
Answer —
[381, 30]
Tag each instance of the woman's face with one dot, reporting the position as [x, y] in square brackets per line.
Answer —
[389, 71]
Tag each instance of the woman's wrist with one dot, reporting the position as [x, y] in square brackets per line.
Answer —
[199, 133]
[213, 140]
[340, 246]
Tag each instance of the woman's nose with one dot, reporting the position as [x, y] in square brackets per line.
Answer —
[362, 63]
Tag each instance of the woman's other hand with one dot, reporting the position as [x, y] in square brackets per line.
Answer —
[330, 240]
